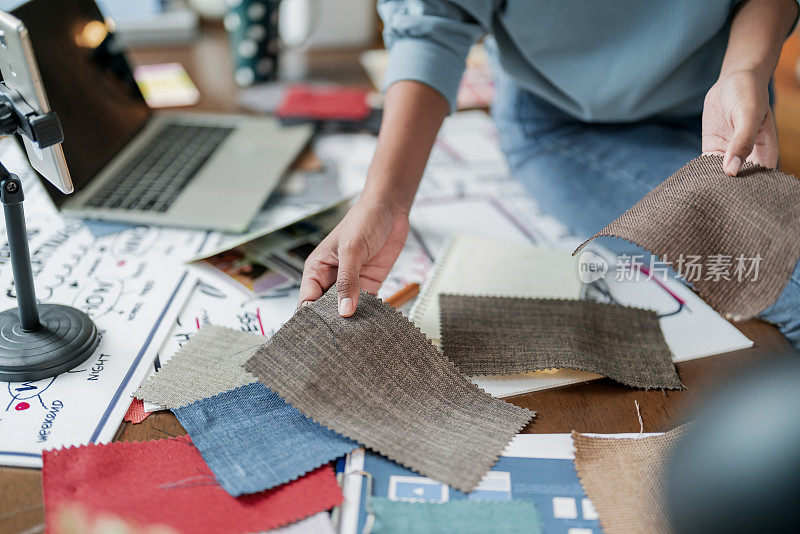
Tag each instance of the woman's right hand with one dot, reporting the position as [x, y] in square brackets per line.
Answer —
[357, 254]
[361, 250]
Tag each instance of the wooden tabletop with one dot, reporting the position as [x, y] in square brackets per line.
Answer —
[597, 406]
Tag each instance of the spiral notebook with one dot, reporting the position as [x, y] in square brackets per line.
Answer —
[477, 266]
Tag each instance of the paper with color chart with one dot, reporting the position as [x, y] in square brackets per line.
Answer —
[534, 467]
[131, 283]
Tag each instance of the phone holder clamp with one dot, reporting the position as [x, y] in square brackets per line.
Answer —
[36, 340]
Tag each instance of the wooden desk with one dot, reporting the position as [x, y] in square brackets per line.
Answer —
[598, 406]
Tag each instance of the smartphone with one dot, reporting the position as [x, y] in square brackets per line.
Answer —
[19, 71]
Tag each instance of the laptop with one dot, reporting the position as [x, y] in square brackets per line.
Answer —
[130, 164]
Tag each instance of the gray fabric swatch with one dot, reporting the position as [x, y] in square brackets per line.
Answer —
[375, 378]
[503, 335]
[210, 363]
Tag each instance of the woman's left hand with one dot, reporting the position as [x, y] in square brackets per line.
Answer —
[738, 122]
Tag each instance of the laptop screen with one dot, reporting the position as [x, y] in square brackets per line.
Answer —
[88, 82]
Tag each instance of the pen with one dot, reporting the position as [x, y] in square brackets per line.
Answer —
[408, 292]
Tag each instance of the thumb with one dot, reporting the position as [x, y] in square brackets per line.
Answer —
[347, 283]
[741, 145]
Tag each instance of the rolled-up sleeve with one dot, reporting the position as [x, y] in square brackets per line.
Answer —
[428, 42]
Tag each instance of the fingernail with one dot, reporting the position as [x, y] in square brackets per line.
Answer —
[305, 303]
[734, 164]
[346, 307]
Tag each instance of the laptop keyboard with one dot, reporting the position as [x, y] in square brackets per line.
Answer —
[156, 175]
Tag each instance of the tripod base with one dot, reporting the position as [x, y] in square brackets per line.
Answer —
[65, 339]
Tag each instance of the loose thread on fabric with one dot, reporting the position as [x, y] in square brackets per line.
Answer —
[639, 415]
[190, 482]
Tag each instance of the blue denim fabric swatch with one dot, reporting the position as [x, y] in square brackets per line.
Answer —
[253, 440]
[462, 516]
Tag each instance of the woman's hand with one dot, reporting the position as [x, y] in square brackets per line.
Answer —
[361, 250]
[358, 253]
[738, 122]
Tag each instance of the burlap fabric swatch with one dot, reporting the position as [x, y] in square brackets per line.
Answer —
[728, 221]
[210, 363]
[624, 480]
[375, 378]
[503, 335]
[462, 516]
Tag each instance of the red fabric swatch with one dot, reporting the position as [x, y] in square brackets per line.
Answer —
[166, 482]
[136, 413]
[324, 103]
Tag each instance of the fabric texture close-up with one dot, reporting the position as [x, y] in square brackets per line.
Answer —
[210, 363]
[735, 239]
[503, 335]
[375, 378]
[462, 516]
[624, 479]
[167, 482]
[253, 441]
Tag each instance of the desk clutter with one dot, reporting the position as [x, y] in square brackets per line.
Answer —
[408, 403]
[376, 378]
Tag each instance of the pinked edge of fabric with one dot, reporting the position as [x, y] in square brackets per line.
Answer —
[676, 385]
[664, 441]
[523, 414]
[237, 493]
[150, 389]
[708, 296]
[186, 439]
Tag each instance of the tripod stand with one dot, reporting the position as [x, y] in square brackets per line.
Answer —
[36, 340]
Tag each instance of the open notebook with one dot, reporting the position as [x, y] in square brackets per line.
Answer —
[471, 265]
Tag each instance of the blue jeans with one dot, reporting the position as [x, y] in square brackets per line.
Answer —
[587, 175]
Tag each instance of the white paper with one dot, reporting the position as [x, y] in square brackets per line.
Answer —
[130, 283]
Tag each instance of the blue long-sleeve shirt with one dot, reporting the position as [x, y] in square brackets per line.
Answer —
[599, 61]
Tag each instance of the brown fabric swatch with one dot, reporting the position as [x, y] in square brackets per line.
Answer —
[503, 335]
[623, 479]
[701, 211]
[376, 379]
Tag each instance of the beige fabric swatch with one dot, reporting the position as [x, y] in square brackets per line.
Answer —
[623, 478]
[375, 378]
[470, 265]
[210, 363]
[501, 335]
[701, 211]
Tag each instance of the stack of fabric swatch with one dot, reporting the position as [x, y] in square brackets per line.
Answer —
[265, 421]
